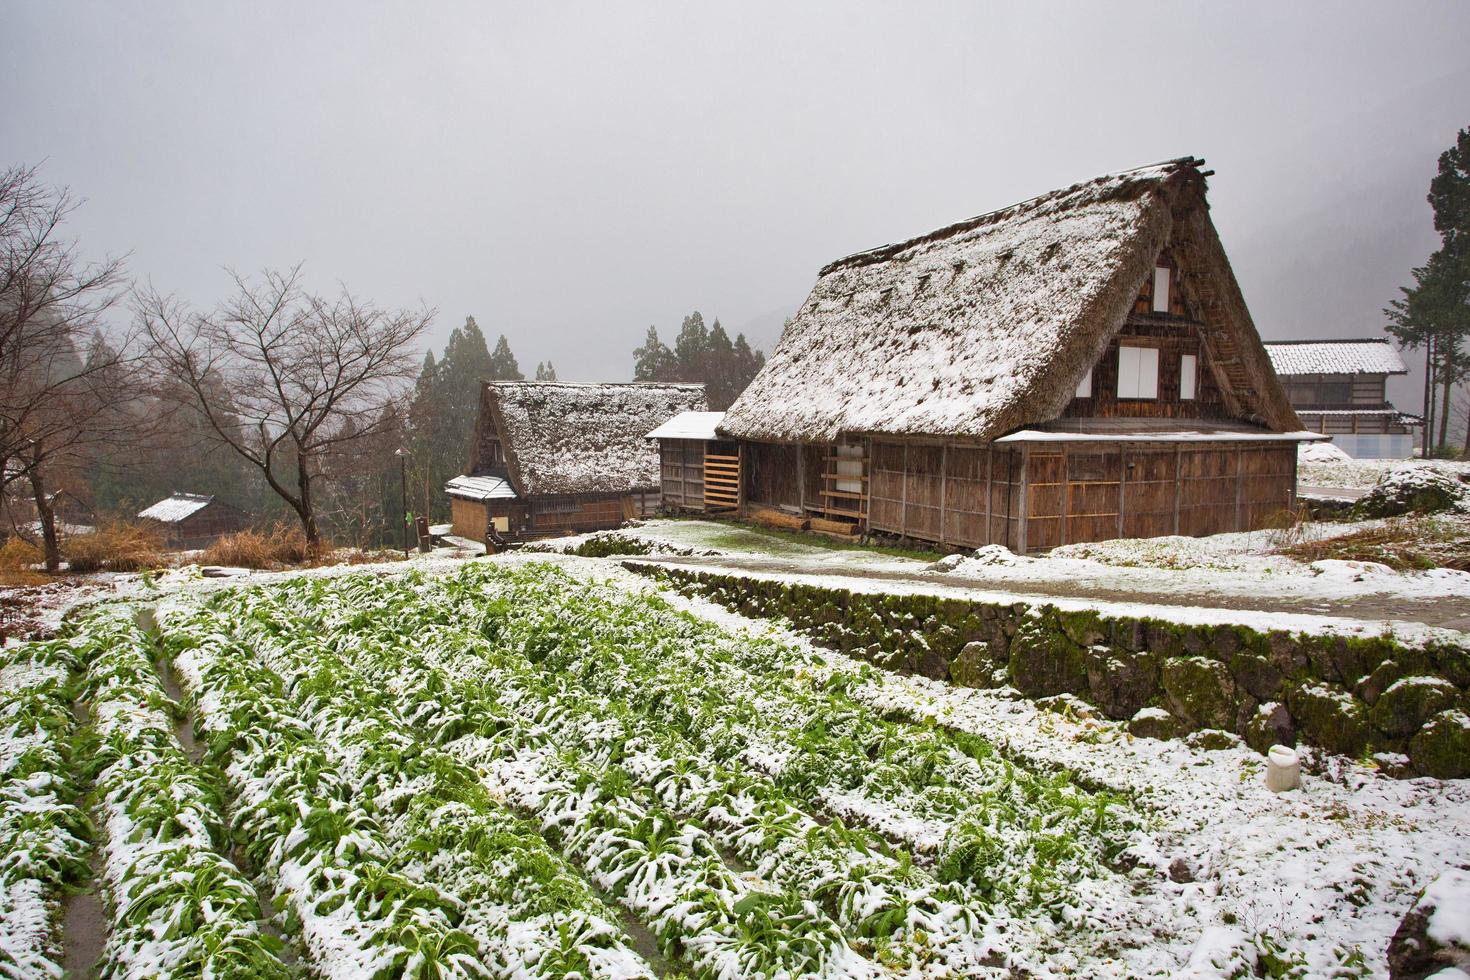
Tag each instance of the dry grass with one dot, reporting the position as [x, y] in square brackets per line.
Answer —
[282, 546]
[116, 546]
[1404, 544]
[17, 558]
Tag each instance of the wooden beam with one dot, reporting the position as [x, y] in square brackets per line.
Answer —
[1178, 483]
[1122, 484]
[943, 487]
[1022, 508]
[903, 507]
[989, 475]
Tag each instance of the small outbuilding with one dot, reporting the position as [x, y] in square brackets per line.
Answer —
[557, 458]
[1076, 367]
[1340, 388]
[700, 470]
[194, 520]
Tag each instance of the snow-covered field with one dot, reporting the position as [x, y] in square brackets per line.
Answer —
[532, 765]
[1361, 474]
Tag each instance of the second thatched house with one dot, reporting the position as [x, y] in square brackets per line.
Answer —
[194, 520]
[1076, 367]
[555, 458]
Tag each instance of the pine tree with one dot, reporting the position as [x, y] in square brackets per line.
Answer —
[691, 349]
[653, 361]
[503, 366]
[1434, 313]
[545, 372]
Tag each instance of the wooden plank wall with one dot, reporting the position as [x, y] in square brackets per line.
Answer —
[770, 472]
[682, 473]
[468, 517]
[1075, 492]
[575, 513]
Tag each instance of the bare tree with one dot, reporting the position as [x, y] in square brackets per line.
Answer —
[286, 378]
[65, 386]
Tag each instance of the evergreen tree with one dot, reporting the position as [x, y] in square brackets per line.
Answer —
[545, 372]
[503, 366]
[653, 361]
[1434, 313]
[691, 349]
[700, 355]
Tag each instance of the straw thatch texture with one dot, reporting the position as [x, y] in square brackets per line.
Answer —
[563, 438]
[988, 325]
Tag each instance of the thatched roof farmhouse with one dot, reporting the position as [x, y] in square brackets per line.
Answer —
[551, 457]
[1078, 366]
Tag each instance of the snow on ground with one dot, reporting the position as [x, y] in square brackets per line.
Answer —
[1336, 863]
[1360, 474]
[1238, 566]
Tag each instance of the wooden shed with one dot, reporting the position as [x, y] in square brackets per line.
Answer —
[194, 520]
[556, 458]
[1076, 367]
[700, 471]
[1340, 388]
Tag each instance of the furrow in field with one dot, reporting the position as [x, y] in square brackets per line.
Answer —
[43, 833]
[179, 908]
[664, 868]
[888, 904]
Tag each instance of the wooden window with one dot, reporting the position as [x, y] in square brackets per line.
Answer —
[1084, 387]
[1161, 289]
[1138, 372]
[1188, 363]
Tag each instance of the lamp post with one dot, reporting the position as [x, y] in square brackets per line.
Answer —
[402, 455]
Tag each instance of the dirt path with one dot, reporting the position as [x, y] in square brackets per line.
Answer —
[84, 920]
[1447, 613]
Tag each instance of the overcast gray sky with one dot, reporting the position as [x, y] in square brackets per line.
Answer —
[571, 173]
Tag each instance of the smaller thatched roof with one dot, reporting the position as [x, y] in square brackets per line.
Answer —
[176, 507]
[480, 488]
[1358, 356]
[562, 438]
[986, 326]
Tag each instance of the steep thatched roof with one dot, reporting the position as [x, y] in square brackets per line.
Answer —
[988, 325]
[582, 438]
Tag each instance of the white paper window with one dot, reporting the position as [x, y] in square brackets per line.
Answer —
[1138, 372]
[1187, 366]
[1084, 387]
[1161, 289]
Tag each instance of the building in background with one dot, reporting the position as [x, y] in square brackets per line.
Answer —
[1339, 388]
[194, 520]
[555, 458]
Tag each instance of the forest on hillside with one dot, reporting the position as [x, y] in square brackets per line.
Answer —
[313, 410]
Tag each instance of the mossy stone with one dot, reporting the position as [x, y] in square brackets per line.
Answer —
[1044, 661]
[975, 666]
[1329, 717]
[1121, 681]
[1083, 627]
[1225, 641]
[1371, 688]
[1287, 655]
[1408, 703]
[1154, 723]
[1213, 740]
[1452, 663]
[1270, 725]
[1442, 747]
[1199, 691]
[1256, 675]
[1163, 638]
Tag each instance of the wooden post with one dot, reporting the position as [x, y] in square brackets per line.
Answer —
[740, 478]
[1122, 483]
[1178, 482]
[989, 480]
[801, 477]
[1066, 502]
[1022, 513]
[943, 487]
[1239, 486]
[903, 493]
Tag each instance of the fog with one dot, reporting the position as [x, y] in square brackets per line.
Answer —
[571, 173]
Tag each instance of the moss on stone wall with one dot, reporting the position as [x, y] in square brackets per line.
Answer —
[1350, 695]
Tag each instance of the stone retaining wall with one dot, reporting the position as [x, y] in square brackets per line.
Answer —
[1355, 696]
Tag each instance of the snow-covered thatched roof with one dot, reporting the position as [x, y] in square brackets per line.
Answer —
[1376, 356]
[582, 438]
[988, 325]
[176, 507]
